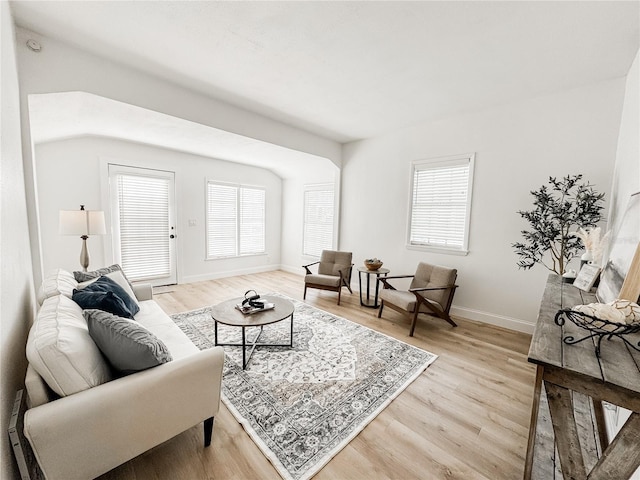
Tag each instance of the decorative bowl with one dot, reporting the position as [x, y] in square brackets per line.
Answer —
[599, 328]
[372, 264]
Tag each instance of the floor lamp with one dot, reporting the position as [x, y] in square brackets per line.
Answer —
[84, 223]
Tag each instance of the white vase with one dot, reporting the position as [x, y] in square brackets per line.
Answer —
[586, 257]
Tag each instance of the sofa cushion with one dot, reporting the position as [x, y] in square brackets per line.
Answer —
[60, 349]
[152, 317]
[57, 282]
[127, 345]
[104, 284]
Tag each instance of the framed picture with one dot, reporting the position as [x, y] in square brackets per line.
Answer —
[587, 277]
[623, 247]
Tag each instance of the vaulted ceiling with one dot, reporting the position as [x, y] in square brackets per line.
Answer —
[351, 70]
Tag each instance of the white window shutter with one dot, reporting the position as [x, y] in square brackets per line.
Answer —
[235, 220]
[143, 209]
[252, 221]
[441, 204]
[222, 220]
[318, 219]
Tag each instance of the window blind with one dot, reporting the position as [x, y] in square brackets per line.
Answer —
[251, 221]
[440, 207]
[318, 220]
[143, 209]
[235, 220]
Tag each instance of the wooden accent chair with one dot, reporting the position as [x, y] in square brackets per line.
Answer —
[334, 272]
[431, 292]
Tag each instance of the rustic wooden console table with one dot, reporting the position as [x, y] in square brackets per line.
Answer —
[566, 376]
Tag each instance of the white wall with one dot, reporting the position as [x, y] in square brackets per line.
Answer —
[626, 177]
[293, 216]
[73, 172]
[626, 181]
[518, 146]
[17, 298]
[61, 68]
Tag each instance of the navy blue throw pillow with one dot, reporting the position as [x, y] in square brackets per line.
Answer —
[105, 301]
[105, 284]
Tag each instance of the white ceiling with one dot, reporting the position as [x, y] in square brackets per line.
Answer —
[351, 70]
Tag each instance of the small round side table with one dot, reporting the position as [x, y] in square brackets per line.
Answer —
[367, 302]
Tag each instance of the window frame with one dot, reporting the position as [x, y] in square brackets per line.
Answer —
[239, 187]
[326, 186]
[434, 163]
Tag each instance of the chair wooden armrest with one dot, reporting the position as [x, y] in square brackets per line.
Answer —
[385, 280]
[447, 287]
[306, 267]
[391, 277]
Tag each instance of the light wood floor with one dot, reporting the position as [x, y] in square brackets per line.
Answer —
[466, 417]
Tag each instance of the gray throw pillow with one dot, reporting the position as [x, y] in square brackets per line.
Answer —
[127, 345]
[86, 276]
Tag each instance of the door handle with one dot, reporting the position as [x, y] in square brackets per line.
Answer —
[172, 236]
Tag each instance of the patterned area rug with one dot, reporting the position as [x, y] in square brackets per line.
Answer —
[302, 405]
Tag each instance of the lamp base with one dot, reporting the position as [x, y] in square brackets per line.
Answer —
[84, 254]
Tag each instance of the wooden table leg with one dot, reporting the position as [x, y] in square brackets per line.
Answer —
[565, 432]
[533, 424]
[601, 425]
[622, 456]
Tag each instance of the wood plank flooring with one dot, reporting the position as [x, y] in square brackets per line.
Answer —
[467, 417]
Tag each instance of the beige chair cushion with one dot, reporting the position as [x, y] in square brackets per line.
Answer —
[331, 262]
[400, 298]
[406, 300]
[434, 276]
[318, 279]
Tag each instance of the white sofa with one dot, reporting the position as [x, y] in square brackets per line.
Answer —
[110, 419]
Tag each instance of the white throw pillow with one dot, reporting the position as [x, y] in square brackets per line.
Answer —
[57, 282]
[60, 349]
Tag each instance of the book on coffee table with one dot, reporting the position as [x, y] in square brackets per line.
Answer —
[250, 310]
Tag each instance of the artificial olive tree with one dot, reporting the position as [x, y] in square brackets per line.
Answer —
[559, 208]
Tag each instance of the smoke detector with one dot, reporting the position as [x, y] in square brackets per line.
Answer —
[33, 45]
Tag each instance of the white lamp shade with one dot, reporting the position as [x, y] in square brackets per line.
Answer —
[82, 222]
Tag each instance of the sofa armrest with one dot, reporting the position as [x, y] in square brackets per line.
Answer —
[143, 291]
[89, 433]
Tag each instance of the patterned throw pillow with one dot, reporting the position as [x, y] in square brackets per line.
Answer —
[127, 345]
[86, 276]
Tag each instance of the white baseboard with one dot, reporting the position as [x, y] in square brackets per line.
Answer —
[229, 273]
[294, 270]
[493, 319]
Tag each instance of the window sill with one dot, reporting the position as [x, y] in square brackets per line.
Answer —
[443, 250]
[237, 256]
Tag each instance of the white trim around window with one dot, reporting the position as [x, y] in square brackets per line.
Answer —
[235, 220]
[440, 204]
